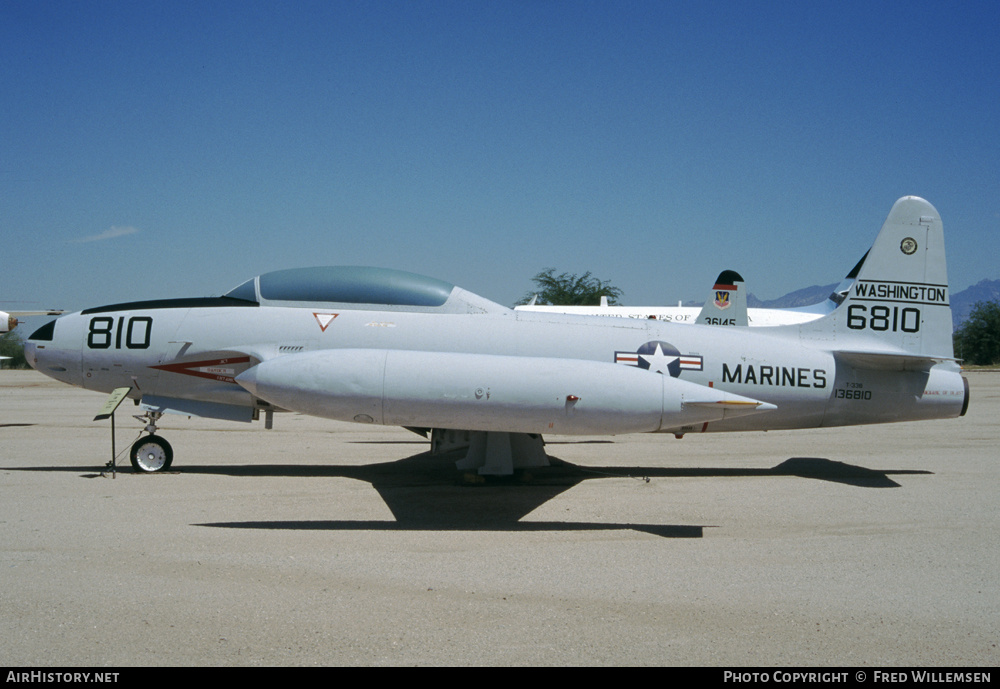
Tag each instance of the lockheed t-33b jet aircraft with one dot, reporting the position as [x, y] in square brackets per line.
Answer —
[377, 346]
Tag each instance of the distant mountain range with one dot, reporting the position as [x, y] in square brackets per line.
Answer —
[961, 302]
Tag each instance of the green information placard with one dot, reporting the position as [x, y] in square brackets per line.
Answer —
[117, 397]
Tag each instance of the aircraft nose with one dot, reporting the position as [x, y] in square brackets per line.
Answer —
[30, 354]
[46, 354]
[35, 345]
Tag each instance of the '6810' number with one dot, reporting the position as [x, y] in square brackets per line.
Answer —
[104, 334]
[882, 318]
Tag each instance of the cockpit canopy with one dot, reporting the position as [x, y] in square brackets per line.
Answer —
[358, 285]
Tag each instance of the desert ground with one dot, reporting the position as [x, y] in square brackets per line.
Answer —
[323, 543]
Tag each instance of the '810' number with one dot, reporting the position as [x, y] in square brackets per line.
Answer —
[882, 318]
[103, 334]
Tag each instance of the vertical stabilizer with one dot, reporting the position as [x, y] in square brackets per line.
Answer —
[727, 302]
[899, 300]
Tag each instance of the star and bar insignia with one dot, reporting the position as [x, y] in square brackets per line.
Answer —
[661, 357]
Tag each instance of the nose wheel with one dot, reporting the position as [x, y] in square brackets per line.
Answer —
[151, 454]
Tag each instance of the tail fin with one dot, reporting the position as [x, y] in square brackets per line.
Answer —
[727, 302]
[899, 300]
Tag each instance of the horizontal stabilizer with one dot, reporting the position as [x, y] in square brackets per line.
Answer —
[890, 361]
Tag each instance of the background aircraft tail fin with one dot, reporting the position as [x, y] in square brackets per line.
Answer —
[899, 300]
[727, 302]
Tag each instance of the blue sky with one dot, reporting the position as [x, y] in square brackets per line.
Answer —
[175, 149]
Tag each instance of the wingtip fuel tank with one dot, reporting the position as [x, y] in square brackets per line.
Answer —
[488, 392]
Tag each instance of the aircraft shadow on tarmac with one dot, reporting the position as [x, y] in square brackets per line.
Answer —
[424, 492]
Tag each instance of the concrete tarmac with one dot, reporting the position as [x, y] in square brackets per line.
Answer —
[322, 543]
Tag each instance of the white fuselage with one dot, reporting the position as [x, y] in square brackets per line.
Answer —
[198, 354]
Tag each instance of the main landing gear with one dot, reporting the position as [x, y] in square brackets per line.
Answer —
[151, 453]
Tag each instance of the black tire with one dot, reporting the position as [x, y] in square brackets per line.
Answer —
[151, 454]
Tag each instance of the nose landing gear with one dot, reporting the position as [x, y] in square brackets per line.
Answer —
[151, 453]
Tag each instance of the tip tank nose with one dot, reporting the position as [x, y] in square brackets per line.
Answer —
[248, 380]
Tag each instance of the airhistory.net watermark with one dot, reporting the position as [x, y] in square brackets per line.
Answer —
[39, 676]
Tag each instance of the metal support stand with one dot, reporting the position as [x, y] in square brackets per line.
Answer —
[114, 454]
[108, 411]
